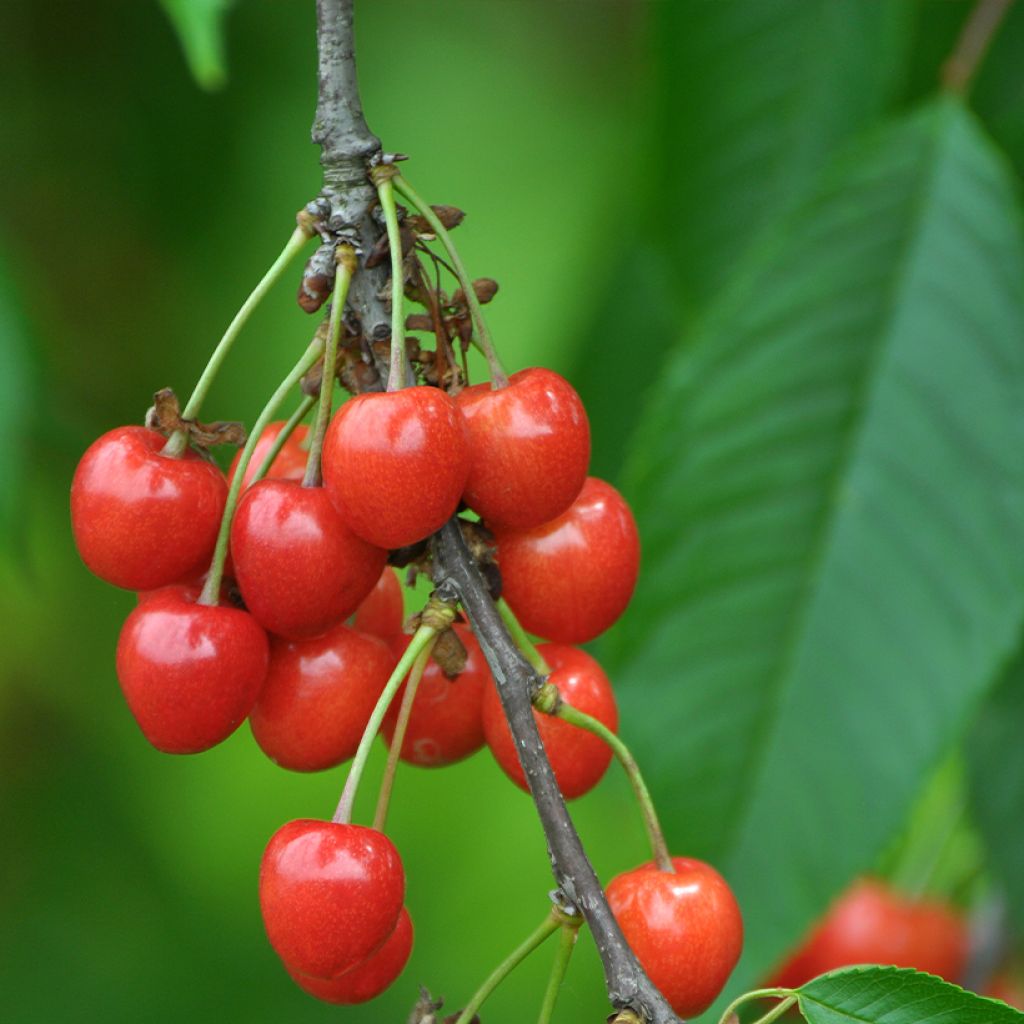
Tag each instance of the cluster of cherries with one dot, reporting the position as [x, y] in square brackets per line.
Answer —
[282, 608]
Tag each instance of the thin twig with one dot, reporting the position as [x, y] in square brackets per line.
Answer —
[975, 38]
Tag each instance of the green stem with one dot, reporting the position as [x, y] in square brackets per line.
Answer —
[211, 590]
[178, 441]
[346, 264]
[777, 1012]
[584, 721]
[282, 438]
[396, 371]
[785, 994]
[504, 969]
[499, 378]
[522, 639]
[343, 815]
[398, 738]
[565, 947]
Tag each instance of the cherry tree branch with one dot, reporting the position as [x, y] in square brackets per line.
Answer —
[348, 149]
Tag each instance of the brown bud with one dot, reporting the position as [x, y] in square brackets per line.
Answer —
[317, 278]
[450, 216]
[450, 653]
[485, 287]
[418, 322]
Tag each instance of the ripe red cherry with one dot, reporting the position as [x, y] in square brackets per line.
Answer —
[446, 723]
[529, 448]
[189, 672]
[318, 697]
[288, 464]
[872, 923]
[143, 520]
[578, 758]
[368, 979]
[382, 612]
[330, 894]
[685, 928]
[395, 464]
[299, 567]
[570, 579]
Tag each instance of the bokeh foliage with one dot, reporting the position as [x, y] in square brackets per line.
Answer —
[788, 281]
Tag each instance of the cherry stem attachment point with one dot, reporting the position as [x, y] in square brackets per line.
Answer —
[346, 262]
[396, 370]
[178, 441]
[499, 379]
[787, 995]
[567, 943]
[423, 635]
[281, 440]
[548, 926]
[398, 738]
[211, 589]
[522, 639]
[654, 833]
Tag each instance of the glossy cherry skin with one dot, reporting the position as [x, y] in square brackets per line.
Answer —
[578, 758]
[446, 723]
[318, 697]
[570, 579]
[143, 520]
[685, 928]
[330, 894]
[288, 464]
[368, 979]
[382, 612]
[529, 448]
[395, 464]
[873, 924]
[301, 570]
[189, 672]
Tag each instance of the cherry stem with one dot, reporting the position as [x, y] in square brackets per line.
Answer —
[522, 638]
[975, 38]
[499, 379]
[387, 783]
[654, 833]
[343, 815]
[282, 438]
[178, 441]
[345, 259]
[566, 945]
[211, 589]
[396, 370]
[549, 926]
[787, 996]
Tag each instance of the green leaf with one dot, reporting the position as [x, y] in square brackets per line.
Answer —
[200, 28]
[754, 97]
[890, 995]
[830, 487]
[996, 773]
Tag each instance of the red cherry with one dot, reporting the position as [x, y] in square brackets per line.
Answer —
[871, 923]
[299, 567]
[190, 672]
[330, 894]
[446, 723]
[368, 979]
[685, 928]
[570, 579]
[395, 464]
[318, 698]
[143, 520]
[578, 758]
[382, 612]
[288, 464]
[529, 448]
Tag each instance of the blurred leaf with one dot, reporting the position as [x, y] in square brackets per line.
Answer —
[751, 99]
[996, 762]
[830, 488]
[16, 399]
[200, 28]
[755, 96]
[889, 995]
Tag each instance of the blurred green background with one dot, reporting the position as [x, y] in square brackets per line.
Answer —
[790, 287]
